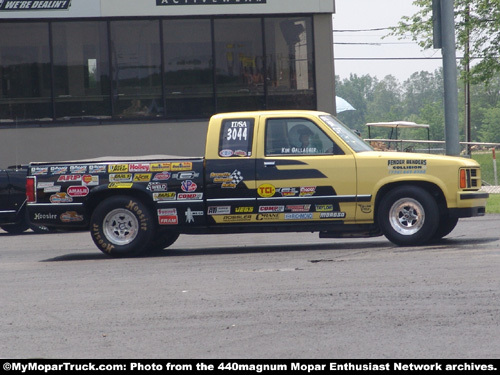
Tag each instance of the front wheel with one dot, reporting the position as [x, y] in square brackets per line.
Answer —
[122, 226]
[408, 216]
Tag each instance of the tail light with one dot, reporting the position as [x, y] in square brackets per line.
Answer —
[31, 189]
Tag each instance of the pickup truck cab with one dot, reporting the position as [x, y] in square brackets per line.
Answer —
[267, 171]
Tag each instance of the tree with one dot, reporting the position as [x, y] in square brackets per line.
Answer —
[477, 27]
[490, 131]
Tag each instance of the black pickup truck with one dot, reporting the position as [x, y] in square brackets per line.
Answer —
[13, 200]
[13, 217]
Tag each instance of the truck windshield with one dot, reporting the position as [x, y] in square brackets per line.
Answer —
[347, 135]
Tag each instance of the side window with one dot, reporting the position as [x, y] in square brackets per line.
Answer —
[236, 138]
[297, 137]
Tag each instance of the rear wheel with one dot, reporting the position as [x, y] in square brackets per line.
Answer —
[163, 239]
[122, 226]
[408, 216]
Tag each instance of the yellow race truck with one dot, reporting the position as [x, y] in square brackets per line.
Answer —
[266, 171]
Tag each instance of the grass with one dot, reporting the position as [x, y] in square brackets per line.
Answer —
[493, 204]
[487, 171]
[487, 175]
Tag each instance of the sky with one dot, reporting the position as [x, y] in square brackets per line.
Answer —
[372, 14]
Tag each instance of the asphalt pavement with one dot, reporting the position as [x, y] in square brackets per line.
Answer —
[282, 296]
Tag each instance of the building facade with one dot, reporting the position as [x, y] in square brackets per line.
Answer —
[88, 78]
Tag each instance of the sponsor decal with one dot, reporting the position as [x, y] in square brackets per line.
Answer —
[69, 178]
[242, 153]
[299, 208]
[52, 189]
[142, 177]
[188, 186]
[324, 207]
[78, 169]
[299, 216]
[243, 210]
[287, 192]
[236, 218]
[46, 216]
[271, 208]
[168, 216]
[208, 2]
[170, 196]
[78, 191]
[58, 170]
[190, 196]
[117, 168]
[89, 180]
[60, 198]
[71, 217]
[17, 5]
[138, 167]
[120, 185]
[120, 177]
[159, 167]
[266, 190]
[307, 191]
[332, 215]
[185, 175]
[409, 166]
[97, 168]
[227, 179]
[181, 166]
[190, 214]
[37, 171]
[42, 185]
[163, 176]
[157, 186]
[267, 217]
[226, 153]
[219, 210]
[365, 208]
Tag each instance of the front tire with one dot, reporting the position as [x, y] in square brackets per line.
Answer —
[122, 226]
[408, 216]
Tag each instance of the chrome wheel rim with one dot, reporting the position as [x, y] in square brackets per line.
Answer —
[120, 226]
[407, 216]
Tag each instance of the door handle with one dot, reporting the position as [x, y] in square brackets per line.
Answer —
[269, 164]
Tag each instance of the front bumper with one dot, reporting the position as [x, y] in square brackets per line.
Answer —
[470, 204]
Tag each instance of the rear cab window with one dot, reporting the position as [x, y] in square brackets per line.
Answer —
[236, 138]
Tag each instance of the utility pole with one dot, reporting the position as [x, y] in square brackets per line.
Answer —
[444, 38]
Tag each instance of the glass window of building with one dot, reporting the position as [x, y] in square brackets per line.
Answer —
[290, 63]
[189, 89]
[136, 69]
[239, 64]
[25, 88]
[81, 70]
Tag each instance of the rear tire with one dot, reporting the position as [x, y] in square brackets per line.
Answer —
[408, 216]
[163, 239]
[122, 226]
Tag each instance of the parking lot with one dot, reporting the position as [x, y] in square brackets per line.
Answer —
[254, 296]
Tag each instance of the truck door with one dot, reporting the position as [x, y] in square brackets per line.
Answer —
[302, 174]
[230, 172]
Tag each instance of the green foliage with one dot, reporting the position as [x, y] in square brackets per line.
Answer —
[490, 131]
[419, 99]
[477, 27]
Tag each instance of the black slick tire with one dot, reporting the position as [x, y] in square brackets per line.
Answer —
[122, 226]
